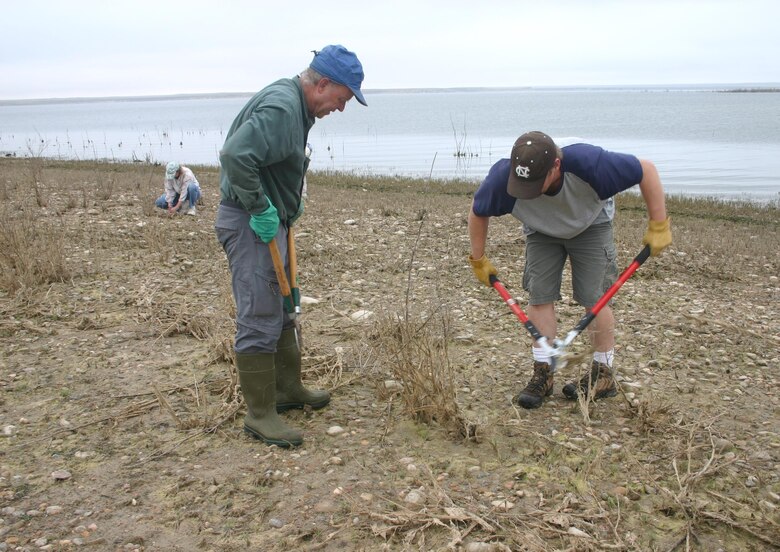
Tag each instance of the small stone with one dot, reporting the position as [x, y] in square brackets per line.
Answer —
[53, 510]
[277, 523]
[504, 505]
[722, 445]
[577, 532]
[325, 507]
[60, 475]
[767, 505]
[361, 315]
[480, 547]
[393, 385]
[414, 497]
[335, 430]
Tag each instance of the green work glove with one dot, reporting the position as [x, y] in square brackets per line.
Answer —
[483, 269]
[265, 224]
[658, 236]
[298, 214]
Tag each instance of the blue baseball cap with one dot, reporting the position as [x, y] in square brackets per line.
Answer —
[341, 66]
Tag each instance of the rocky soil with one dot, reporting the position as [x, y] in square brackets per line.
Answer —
[121, 418]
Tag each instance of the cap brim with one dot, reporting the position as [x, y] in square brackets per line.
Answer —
[524, 189]
[359, 96]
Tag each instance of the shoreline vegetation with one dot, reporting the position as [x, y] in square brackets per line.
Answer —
[752, 90]
[451, 184]
[726, 88]
[444, 185]
[121, 417]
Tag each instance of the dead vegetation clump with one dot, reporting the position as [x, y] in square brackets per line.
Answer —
[416, 353]
[32, 250]
[692, 493]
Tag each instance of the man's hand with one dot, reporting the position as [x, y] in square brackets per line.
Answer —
[483, 269]
[658, 236]
[265, 224]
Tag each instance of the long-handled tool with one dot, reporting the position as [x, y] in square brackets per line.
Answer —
[292, 297]
[557, 351]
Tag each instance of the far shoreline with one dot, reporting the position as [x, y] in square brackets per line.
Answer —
[738, 88]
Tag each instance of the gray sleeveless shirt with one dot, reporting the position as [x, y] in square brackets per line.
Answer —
[574, 208]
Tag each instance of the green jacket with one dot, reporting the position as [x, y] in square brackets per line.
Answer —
[264, 152]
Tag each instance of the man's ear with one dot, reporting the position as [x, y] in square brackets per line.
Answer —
[323, 84]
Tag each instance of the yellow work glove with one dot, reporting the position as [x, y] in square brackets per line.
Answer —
[658, 236]
[483, 269]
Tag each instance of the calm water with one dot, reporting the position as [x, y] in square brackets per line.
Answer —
[704, 142]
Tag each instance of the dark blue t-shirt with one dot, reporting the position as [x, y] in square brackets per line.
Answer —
[608, 173]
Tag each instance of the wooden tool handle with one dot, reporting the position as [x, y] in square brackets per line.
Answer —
[284, 285]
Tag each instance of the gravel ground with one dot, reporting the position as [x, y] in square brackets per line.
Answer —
[121, 421]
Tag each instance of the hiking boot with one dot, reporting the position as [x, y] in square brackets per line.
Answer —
[540, 386]
[192, 211]
[600, 382]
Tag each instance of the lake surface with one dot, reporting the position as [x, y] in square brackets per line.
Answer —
[703, 140]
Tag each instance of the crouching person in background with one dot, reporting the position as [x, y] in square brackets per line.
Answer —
[180, 186]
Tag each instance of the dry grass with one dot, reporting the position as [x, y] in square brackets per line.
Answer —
[417, 352]
[32, 250]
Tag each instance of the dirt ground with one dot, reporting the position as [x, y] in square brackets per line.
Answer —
[122, 424]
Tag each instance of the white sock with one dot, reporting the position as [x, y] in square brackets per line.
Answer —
[540, 355]
[604, 358]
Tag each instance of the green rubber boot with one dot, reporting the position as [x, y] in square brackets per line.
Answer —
[257, 375]
[290, 392]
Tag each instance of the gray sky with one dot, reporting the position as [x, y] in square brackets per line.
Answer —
[98, 48]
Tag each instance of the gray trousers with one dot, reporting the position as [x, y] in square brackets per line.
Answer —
[260, 313]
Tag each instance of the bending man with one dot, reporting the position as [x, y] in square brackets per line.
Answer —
[563, 197]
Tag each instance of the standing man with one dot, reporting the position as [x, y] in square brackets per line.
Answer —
[180, 186]
[563, 196]
[263, 167]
